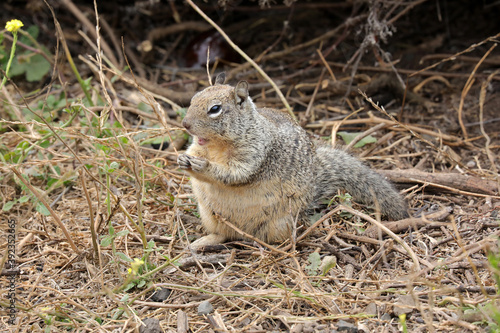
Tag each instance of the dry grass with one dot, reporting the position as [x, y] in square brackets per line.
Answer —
[98, 177]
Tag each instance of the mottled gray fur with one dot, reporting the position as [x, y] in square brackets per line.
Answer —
[258, 169]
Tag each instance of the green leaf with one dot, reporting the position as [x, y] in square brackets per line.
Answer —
[40, 207]
[129, 286]
[45, 144]
[122, 233]
[348, 137]
[315, 261]
[106, 241]
[8, 205]
[51, 182]
[50, 101]
[113, 166]
[23, 145]
[37, 68]
[33, 30]
[123, 257]
[111, 230]
[24, 198]
[17, 68]
[61, 102]
[141, 284]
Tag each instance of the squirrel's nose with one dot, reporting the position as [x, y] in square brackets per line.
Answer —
[186, 124]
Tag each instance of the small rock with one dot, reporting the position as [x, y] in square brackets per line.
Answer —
[386, 317]
[150, 325]
[205, 308]
[160, 295]
[182, 322]
[371, 309]
[308, 327]
[471, 164]
[344, 326]
[298, 328]
[404, 304]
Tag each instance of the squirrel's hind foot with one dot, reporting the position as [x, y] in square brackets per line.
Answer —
[211, 239]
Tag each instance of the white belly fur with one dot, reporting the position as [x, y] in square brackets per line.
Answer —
[241, 205]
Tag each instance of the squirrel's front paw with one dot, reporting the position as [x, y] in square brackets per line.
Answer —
[197, 164]
[184, 161]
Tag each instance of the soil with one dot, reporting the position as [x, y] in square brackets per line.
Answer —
[423, 74]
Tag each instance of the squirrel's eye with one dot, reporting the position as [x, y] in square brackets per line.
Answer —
[214, 111]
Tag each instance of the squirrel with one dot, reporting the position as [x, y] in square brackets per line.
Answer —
[258, 169]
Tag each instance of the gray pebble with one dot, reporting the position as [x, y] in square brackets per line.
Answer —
[205, 308]
[151, 325]
[344, 326]
[386, 317]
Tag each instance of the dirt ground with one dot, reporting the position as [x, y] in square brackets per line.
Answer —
[420, 78]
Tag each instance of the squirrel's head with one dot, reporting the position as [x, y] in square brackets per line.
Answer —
[220, 112]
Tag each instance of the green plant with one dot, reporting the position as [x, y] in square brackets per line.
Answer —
[315, 262]
[31, 61]
[348, 137]
[108, 169]
[402, 320]
[491, 308]
[13, 26]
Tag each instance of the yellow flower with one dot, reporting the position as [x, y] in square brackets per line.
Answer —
[14, 25]
[134, 267]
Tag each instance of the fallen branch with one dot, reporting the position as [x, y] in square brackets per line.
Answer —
[452, 181]
[405, 224]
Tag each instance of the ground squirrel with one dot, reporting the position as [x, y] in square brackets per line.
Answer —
[258, 169]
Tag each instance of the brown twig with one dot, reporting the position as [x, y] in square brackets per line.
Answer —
[465, 91]
[413, 256]
[313, 226]
[354, 21]
[482, 98]
[255, 239]
[412, 222]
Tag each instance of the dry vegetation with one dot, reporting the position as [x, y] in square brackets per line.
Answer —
[88, 149]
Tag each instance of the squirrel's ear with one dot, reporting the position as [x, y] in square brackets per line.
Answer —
[220, 79]
[241, 92]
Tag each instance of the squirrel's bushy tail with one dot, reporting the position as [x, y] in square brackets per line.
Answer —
[337, 169]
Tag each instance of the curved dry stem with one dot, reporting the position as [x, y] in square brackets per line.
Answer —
[244, 55]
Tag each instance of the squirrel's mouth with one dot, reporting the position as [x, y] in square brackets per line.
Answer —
[201, 141]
